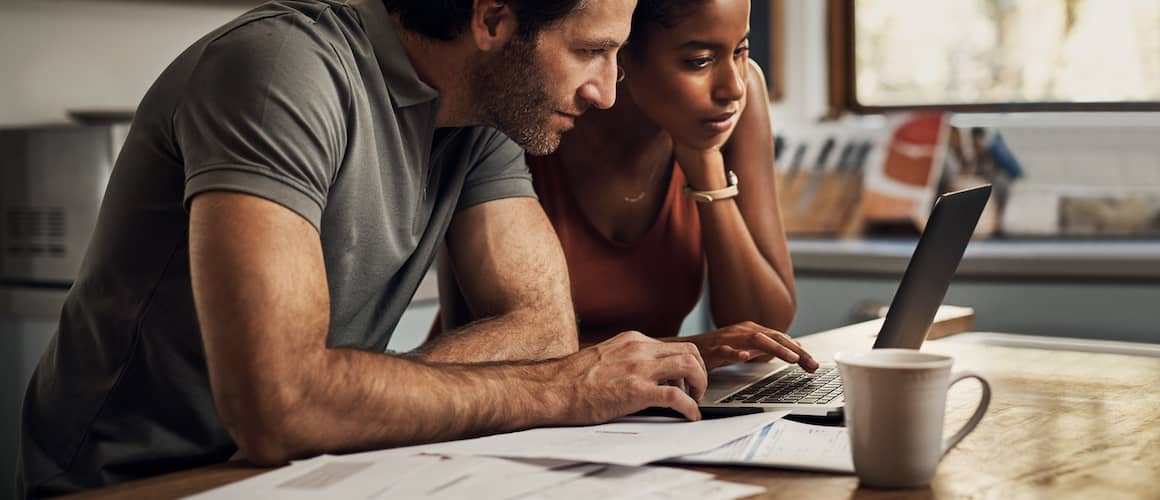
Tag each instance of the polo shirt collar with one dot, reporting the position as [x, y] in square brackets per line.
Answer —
[402, 79]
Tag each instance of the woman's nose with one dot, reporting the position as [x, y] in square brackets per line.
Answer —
[730, 84]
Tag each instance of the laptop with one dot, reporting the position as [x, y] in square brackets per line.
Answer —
[777, 386]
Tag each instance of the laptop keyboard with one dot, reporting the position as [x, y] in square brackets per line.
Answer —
[793, 386]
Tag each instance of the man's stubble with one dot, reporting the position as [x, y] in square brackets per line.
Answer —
[511, 94]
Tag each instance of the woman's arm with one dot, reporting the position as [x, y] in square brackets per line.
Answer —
[750, 274]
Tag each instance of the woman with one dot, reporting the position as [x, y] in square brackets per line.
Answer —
[617, 192]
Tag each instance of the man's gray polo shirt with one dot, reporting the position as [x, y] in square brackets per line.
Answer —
[311, 104]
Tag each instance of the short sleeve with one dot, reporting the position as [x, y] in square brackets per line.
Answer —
[262, 114]
[499, 171]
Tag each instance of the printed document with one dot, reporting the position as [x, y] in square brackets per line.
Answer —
[622, 443]
[434, 477]
[785, 444]
[325, 477]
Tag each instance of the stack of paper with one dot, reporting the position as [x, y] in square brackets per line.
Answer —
[603, 461]
[625, 442]
[453, 477]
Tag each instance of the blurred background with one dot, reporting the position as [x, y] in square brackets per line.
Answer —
[877, 105]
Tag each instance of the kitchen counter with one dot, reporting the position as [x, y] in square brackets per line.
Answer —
[1053, 259]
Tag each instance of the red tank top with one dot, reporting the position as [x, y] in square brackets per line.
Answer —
[650, 285]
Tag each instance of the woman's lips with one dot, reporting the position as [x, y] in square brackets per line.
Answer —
[722, 122]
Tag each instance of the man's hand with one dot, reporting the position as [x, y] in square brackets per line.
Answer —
[628, 373]
[748, 341]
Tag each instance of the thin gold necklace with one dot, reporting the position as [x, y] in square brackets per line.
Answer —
[647, 183]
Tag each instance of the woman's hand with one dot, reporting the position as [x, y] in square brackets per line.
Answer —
[747, 341]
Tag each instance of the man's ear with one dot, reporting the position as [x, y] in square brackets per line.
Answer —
[493, 24]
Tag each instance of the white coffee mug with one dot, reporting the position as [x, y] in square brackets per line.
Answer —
[895, 401]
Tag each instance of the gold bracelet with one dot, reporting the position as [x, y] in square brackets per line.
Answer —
[716, 194]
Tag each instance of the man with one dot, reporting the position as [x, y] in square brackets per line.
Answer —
[284, 188]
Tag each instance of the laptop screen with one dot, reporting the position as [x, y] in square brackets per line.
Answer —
[928, 275]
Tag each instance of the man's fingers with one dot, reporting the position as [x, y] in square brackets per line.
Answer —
[667, 396]
[666, 349]
[696, 351]
[679, 384]
[686, 367]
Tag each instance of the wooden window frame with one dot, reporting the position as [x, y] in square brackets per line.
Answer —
[776, 63]
[843, 87]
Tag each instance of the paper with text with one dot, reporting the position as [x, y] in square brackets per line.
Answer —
[785, 444]
[489, 478]
[324, 477]
[619, 481]
[622, 443]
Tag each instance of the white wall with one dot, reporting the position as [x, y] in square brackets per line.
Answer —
[804, 96]
[93, 54]
[57, 55]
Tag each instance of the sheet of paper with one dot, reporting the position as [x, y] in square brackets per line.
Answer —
[405, 476]
[706, 490]
[430, 481]
[324, 477]
[785, 444]
[622, 443]
[620, 481]
[484, 478]
[485, 483]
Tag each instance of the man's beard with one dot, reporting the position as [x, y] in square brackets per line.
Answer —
[510, 94]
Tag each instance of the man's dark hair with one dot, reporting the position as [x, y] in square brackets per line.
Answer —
[650, 14]
[446, 19]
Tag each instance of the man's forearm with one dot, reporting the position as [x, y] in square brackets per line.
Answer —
[531, 335]
[350, 400]
[504, 269]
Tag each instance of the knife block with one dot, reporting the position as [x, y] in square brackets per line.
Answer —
[830, 208]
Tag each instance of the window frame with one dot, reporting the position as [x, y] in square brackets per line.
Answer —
[842, 76]
[776, 63]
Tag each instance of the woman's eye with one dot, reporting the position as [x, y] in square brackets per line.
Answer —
[699, 62]
[741, 52]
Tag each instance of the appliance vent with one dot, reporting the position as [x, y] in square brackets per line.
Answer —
[34, 232]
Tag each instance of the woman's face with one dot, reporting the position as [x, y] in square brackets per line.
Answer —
[690, 78]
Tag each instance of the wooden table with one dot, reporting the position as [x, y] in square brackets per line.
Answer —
[1061, 424]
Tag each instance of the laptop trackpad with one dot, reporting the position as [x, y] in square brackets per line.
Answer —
[727, 379]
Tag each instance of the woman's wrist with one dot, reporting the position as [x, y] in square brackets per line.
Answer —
[704, 170]
[711, 180]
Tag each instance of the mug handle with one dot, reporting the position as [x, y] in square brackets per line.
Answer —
[979, 411]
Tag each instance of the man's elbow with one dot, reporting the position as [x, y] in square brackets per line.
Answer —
[263, 430]
[264, 449]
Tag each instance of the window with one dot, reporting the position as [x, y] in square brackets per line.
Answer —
[999, 54]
